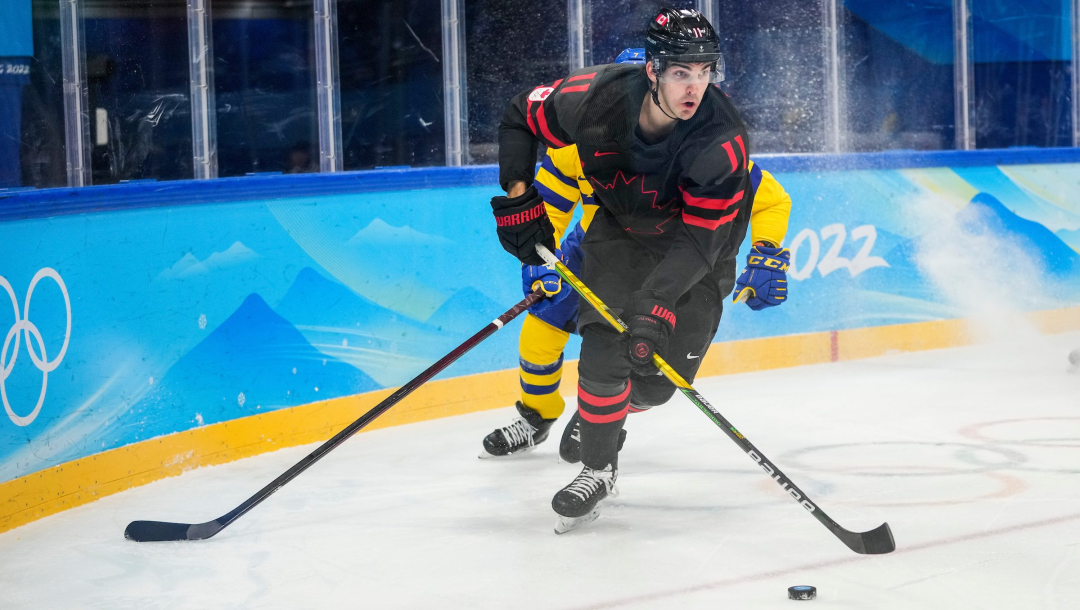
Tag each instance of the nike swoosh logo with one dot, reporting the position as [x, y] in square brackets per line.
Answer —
[691, 357]
[601, 154]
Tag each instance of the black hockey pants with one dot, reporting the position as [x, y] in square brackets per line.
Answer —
[605, 372]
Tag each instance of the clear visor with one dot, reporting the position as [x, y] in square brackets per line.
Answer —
[691, 73]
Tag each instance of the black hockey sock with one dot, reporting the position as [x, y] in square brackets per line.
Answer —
[602, 419]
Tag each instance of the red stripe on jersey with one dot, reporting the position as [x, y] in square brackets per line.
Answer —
[581, 77]
[603, 401]
[529, 118]
[575, 88]
[731, 156]
[544, 128]
[711, 204]
[603, 419]
[545, 132]
[742, 149]
[711, 225]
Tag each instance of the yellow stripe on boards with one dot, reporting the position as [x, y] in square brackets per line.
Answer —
[80, 481]
[84, 480]
[763, 354]
[1056, 320]
[881, 340]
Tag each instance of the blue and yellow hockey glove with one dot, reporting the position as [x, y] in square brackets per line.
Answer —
[764, 281]
[549, 281]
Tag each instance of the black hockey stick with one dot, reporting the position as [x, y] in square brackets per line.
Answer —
[156, 531]
[874, 542]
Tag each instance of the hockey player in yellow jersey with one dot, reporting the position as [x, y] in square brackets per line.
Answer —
[548, 325]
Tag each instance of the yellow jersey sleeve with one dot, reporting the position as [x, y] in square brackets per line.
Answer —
[562, 185]
[772, 208]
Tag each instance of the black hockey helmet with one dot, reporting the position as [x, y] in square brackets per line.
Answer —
[684, 35]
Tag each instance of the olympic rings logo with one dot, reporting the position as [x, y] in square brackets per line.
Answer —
[23, 327]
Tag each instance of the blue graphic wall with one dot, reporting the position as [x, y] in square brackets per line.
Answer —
[160, 315]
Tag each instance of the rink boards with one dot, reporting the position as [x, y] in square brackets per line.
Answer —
[158, 328]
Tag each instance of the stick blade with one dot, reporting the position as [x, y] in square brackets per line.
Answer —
[877, 541]
[161, 531]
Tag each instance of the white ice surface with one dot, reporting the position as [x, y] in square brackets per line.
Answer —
[972, 455]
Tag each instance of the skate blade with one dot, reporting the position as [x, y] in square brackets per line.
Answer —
[566, 524]
[484, 455]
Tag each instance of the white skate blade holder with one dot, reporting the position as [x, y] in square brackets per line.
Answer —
[566, 524]
[484, 455]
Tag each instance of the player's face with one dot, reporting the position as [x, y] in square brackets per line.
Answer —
[683, 86]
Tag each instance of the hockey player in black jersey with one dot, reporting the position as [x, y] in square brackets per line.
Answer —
[667, 155]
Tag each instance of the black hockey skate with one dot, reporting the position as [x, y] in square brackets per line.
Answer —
[578, 503]
[524, 434]
[570, 444]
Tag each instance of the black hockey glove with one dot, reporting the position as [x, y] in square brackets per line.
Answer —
[522, 223]
[651, 323]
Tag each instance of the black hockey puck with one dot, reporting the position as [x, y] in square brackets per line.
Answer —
[802, 592]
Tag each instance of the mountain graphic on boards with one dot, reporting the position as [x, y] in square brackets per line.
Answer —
[986, 212]
[315, 301]
[389, 346]
[255, 353]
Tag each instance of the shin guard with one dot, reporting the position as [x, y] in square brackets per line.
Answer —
[602, 420]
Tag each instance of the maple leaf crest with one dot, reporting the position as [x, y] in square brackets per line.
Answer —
[626, 194]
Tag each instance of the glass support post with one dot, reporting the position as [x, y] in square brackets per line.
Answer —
[1076, 73]
[963, 75]
[328, 86]
[455, 87]
[575, 17]
[710, 10]
[76, 114]
[831, 49]
[203, 108]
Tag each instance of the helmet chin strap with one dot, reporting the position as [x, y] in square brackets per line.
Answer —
[656, 100]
